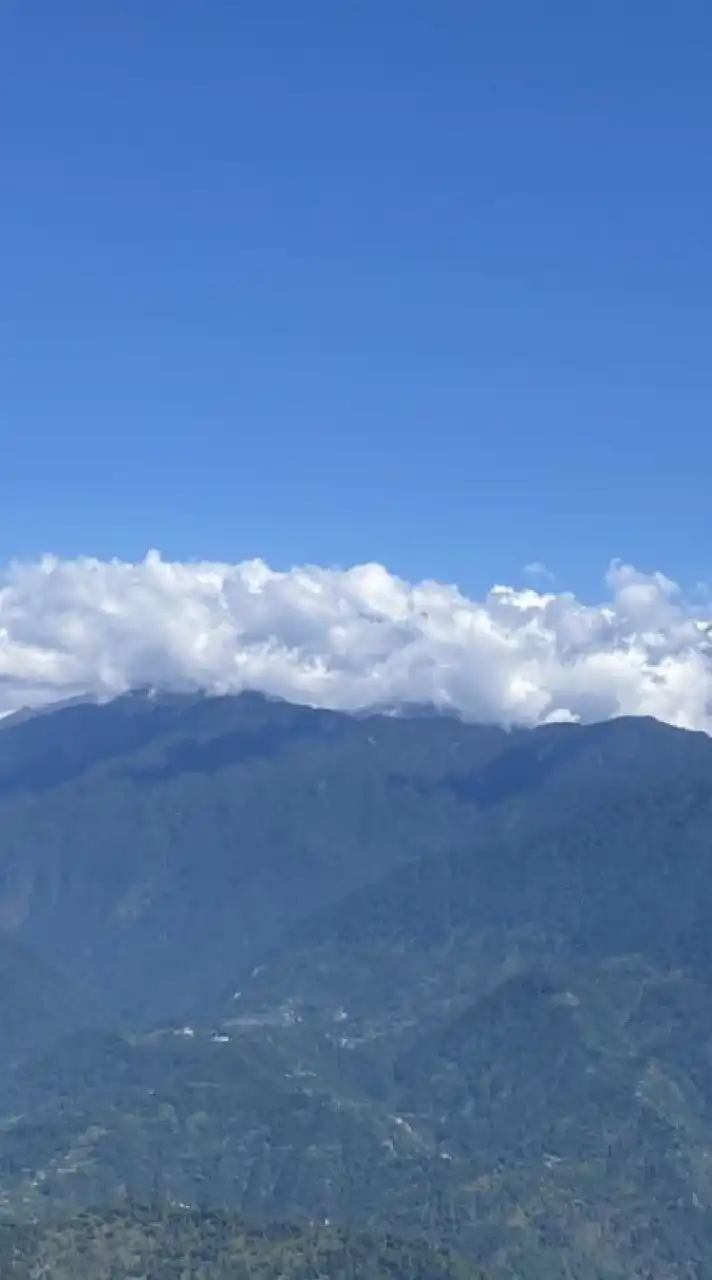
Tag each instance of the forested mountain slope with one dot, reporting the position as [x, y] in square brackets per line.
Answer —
[181, 836]
[417, 977]
[211, 1246]
[38, 1005]
[184, 837]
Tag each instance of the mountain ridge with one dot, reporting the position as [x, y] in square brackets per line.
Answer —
[446, 981]
[103, 809]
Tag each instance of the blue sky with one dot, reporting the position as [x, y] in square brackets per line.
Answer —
[342, 280]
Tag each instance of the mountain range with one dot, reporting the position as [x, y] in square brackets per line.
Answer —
[433, 981]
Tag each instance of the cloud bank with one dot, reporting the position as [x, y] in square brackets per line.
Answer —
[354, 638]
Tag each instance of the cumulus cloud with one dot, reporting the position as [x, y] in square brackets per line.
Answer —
[354, 638]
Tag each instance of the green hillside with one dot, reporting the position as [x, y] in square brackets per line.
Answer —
[433, 982]
[211, 1246]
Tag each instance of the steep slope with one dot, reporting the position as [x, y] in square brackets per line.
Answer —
[179, 836]
[38, 1006]
[184, 837]
[611, 849]
[466, 974]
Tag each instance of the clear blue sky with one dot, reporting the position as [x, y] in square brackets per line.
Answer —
[336, 280]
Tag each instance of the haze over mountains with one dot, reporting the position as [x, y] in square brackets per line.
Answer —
[418, 976]
[188, 837]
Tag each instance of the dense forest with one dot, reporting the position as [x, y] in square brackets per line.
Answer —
[445, 986]
[205, 1245]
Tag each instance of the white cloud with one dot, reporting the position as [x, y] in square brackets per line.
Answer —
[536, 569]
[353, 638]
